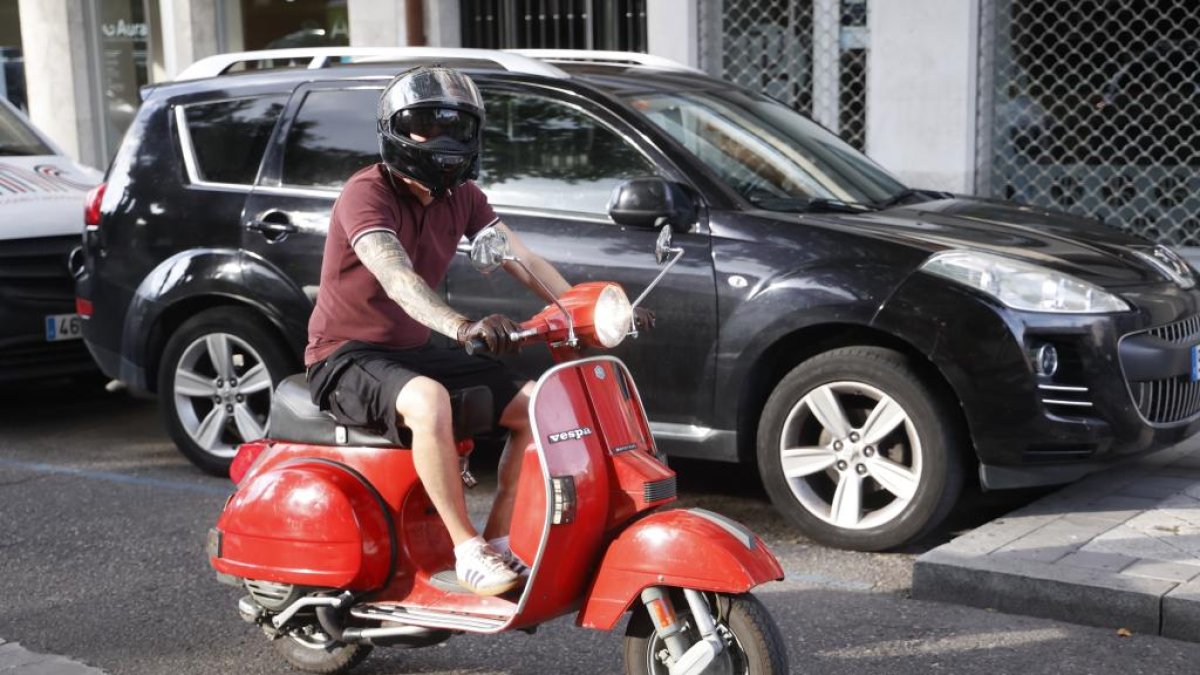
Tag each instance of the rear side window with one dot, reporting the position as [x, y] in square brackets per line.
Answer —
[228, 138]
[332, 137]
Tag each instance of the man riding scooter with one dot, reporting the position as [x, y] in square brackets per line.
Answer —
[392, 235]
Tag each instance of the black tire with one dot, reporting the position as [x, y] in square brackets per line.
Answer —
[334, 657]
[251, 340]
[855, 375]
[754, 645]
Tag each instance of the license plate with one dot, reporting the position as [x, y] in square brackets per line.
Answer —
[61, 327]
[1195, 363]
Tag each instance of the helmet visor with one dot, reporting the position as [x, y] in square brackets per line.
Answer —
[426, 124]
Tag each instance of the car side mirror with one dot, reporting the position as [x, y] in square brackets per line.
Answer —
[652, 202]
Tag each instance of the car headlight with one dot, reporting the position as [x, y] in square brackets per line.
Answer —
[1022, 285]
[612, 316]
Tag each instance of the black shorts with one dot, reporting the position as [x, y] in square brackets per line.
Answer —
[358, 384]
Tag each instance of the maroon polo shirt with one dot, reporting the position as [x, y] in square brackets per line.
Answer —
[351, 303]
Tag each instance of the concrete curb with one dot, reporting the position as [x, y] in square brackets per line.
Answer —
[16, 660]
[1119, 549]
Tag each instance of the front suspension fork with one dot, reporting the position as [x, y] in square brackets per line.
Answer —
[684, 659]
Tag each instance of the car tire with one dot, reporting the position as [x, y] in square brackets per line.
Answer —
[880, 469]
[216, 378]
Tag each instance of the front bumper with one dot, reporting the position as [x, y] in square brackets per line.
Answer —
[1123, 386]
[34, 284]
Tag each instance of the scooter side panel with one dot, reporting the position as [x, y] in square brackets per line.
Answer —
[306, 523]
[572, 460]
[685, 548]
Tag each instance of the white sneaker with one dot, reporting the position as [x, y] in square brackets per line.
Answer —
[482, 570]
[501, 546]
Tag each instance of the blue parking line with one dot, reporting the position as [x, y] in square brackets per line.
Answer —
[116, 477]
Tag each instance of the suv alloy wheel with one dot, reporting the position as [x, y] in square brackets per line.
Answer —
[856, 450]
[216, 379]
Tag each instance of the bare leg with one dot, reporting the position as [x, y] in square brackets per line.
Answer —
[425, 406]
[516, 419]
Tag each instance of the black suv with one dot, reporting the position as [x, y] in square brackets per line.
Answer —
[869, 346]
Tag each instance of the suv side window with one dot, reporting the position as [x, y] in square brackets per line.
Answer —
[540, 152]
[229, 137]
[332, 137]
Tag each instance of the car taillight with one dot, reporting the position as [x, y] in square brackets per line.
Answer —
[83, 308]
[91, 207]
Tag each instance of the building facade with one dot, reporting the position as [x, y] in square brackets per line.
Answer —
[1086, 105]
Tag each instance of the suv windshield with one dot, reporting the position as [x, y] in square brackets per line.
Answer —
[16, 138]
[769, 154]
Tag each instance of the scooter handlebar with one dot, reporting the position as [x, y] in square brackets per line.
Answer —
[475, 345]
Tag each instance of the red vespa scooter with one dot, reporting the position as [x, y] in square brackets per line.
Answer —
[340, 549]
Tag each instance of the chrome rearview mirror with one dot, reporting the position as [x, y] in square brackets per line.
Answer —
[662, 247]
[489, 250]
[662, 251]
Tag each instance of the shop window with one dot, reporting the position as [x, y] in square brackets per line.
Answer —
[333, 137]
[539, 152]
[286, 24]
[229, 137]
[123, 36]
[12, 66]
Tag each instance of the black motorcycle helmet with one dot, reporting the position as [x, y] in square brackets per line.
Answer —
[430, 122]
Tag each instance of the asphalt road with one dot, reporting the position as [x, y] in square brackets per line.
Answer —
[102, 528]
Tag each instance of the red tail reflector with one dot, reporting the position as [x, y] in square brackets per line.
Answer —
[247, 455]
[83, 308]
[91, 207]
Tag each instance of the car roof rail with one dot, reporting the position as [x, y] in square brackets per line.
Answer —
[322, 57]
[603, 56]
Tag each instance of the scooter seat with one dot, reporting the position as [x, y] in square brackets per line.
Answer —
[294, 417]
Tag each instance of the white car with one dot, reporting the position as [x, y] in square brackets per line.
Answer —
[42, 194]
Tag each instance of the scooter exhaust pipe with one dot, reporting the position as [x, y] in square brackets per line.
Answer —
[331, 622]
[395, 636]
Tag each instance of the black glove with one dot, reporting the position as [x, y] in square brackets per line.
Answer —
[493, 331]
[643, 319]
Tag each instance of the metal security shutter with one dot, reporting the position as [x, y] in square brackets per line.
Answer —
[1093, 107]
[555, 24]
[809, 54]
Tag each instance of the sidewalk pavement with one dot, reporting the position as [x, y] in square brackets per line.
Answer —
[16, 660]
[1119, 549]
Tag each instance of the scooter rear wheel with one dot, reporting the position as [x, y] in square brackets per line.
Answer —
[310, 650]
[753, 644]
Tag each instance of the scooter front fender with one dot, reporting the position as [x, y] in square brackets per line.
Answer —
[684, 548]
[309, 522]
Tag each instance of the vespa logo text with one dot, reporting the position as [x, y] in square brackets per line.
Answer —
[573, 434]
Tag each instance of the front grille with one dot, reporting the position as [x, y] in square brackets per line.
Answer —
[34, 275]
[44, 357]
[1180, 331]
[1165, 401]
[1172, 399]
[659, 490]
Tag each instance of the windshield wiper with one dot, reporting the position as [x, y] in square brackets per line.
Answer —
[910, 193]
[810, 205]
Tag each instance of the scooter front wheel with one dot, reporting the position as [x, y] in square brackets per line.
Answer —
[753, 644]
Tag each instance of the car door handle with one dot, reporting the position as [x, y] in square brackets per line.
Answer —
[274, 225]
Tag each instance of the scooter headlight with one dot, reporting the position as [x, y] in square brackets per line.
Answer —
[613, 316]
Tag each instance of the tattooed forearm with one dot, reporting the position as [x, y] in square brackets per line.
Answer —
[382, 253]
